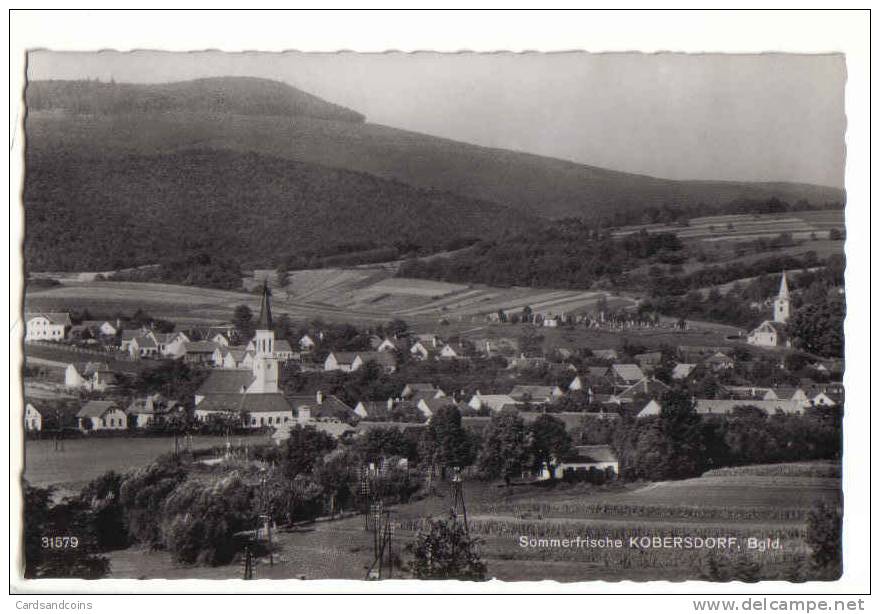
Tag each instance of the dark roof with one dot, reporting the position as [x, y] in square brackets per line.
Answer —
[96, 409]
[200, 347]
[251, 403]
[226, 381]
[364, 425]
[344, 358]
[283, 345]
[264, 321]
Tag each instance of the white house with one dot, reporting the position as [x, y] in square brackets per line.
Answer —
[101, 416]
[420, 351]
[49, 326]
[584, 458]
[306, 342]
[449, 352]
[495, 402]
[101, 327]
[81, 374]
[33, 419]
[823, 400]
[535, 394]
[150, 409]
[346, 362]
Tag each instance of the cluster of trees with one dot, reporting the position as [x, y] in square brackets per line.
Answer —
[199, 269]
[680, 444]
[565, 254]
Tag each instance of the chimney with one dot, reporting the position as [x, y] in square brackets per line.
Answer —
[319, 397]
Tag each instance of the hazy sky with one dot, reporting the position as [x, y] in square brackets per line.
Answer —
[771, 117]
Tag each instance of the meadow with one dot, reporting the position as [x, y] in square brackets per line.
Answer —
[356, 295]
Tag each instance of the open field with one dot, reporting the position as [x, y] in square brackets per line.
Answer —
[748, 227]
[749, 507]
[354, 295]
[82, 460]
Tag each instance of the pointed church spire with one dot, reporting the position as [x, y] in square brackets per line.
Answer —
[265, 320]
[783, 287]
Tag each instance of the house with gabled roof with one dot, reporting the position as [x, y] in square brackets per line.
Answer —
[494, 402]
[33, 418]
[625, 375]
[306, 342]
[609, 354]
[46, 326]
[719, 361]
[649, 360]
[80, 374]
[683, 370]
[417, 387]
[150, 409]
[522, 393]
[101, 416]
[322, 408]
[645, 387]
[584, 458]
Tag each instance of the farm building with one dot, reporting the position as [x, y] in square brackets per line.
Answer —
[371, 408]
[101, 328]
[81, 374]
[144, 346]
[101, 416]
[495, 402]
[171, 345]
[625, 375]
[322, 408]
[726, 406]
[33, 419]
[535, 394]
[49, 326]
[232, 357]
[306, 343]
[150, 409]
[283, 351]
[429, 407]
[583, 459]
[649, 360]
[646, 387]
[683, 370]
[199, 352]
[420, 351]
[719, 361]
[411, 389]
[606, 354]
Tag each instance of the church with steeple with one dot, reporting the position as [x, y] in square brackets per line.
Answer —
[771, 333]
[250, 393]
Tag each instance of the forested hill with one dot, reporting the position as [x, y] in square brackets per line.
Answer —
[101, 213]
[256, 115]
[226, 95]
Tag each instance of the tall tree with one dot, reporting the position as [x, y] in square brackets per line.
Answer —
[818, 327]
[445, 442]
[504, 451]
[548, 442]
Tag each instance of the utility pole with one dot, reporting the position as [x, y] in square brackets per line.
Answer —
[458, 506]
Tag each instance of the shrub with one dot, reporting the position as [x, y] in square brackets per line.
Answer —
[201, 519]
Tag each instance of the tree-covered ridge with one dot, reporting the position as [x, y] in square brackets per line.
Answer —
[217, 95]
[88, 213]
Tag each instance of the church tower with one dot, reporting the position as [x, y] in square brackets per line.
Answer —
[265, 365]
[782, 304]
